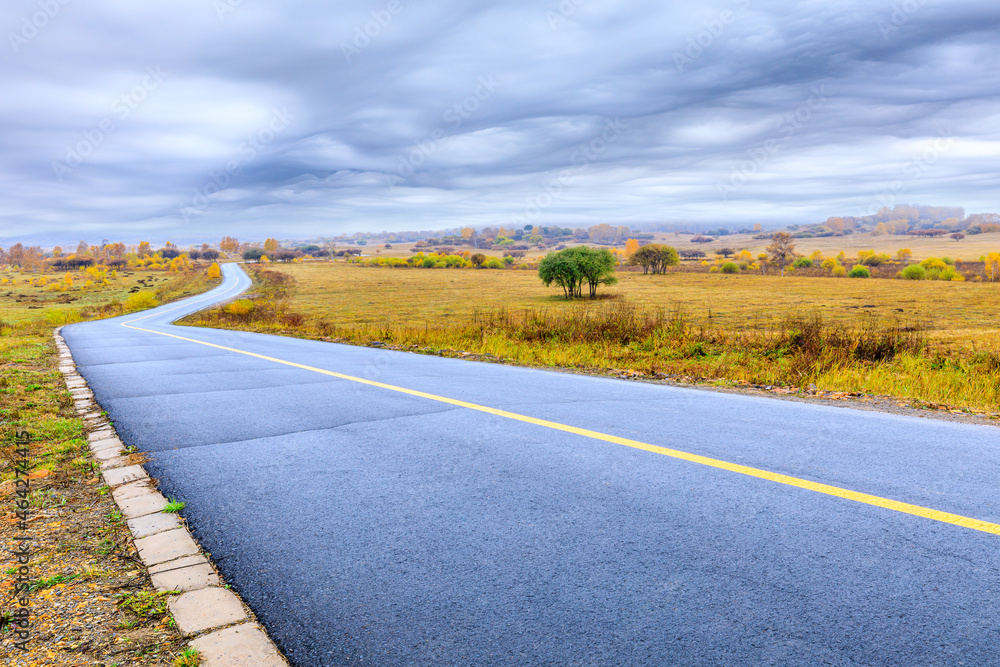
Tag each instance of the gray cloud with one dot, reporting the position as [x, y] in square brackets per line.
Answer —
[400, 115]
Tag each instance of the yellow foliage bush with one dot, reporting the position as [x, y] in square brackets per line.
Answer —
[214, 271]
[240, 307]
[140, 301]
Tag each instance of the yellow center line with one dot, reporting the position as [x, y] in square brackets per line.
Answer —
[837, 492]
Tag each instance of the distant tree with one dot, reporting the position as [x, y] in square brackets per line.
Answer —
[211, 254]
[82, 249]
[655, 257]
[167, 252]
[270, 245]
[958, 236]
[631, 246]
[253, 254]
[144, 249]
[701, 239]
[726, 252]
[904, 254]
[691, 254]
[229, 244]
[781, 251]
[57, 252]
[993, 267]
[478, 259]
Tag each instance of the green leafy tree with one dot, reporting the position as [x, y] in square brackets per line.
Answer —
[572, 267]
[561, 269]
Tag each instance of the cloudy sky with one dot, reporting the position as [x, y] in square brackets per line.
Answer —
[196, 118]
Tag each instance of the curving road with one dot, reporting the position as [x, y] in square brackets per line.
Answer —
[385, 508]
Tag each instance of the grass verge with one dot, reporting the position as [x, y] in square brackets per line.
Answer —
[83, 561]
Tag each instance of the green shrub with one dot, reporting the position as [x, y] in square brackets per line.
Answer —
[952, 274]
[838, 272]
[914, 272]
[933, 274]
[493, 263]
[730, 267]
[860, 271]
[803, 263]
[934, 263]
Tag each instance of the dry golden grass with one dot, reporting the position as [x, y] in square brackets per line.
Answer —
[950, 312]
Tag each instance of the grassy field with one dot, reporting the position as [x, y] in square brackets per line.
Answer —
[83, 568]
[927, 341]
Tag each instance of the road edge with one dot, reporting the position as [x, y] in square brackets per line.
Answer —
[213, 619]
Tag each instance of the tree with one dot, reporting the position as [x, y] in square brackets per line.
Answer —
[145, 250]
[904, 254]
[270, 245]
[993, 267]
[958, 236]
[655, 257]
[82, 248]
[229, 244]
[604, 233]
[631, 246]
[781, 252]
[726, 252]
[478, 259]
[561, 269]
[597, 267]
[57, 252]
[572, 267]
[253, 254]
[214, 271]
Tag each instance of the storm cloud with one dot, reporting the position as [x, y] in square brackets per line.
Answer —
[205, 117]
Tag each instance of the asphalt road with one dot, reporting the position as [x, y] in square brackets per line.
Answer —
[366, 525]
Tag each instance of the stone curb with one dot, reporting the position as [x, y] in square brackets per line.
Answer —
[217, 622]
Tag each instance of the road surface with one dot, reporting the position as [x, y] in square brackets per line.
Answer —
[384, 508]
